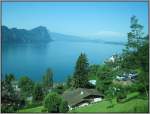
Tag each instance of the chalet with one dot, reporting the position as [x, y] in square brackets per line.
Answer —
[81, 97]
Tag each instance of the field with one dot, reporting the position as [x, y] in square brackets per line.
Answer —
[133, 103]
[36, 109]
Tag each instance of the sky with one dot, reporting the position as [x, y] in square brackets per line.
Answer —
[88, 19]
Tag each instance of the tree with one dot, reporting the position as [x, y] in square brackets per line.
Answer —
[121, 94]
[81, 72]
[63, 106]
[69, 82]
[38, 93]
[110, 94]
[10, 100]
[104, 78]
[143, 63]
[136, 55]
[52, 102]
[135, 41]
[135, 36]
[48, 79]
[9, 77]
[26, 85]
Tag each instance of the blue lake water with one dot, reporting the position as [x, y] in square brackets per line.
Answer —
[33, 59]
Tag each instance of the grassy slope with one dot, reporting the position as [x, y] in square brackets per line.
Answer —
[128, 106]
[36, 109]
[132, 101]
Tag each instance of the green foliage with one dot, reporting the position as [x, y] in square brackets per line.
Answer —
[9, 78]
[63, 106]
[104, 80]
[59, 89]
[69, 82]
[8, 109]
[26, 85]
[136, 56]
[54, 103]
[48, 80]
[10, 100]
[44, 110]
[135, 36]
[121, 94]
[110, 95]
[92, 72]
[81, 72]
[38, 93]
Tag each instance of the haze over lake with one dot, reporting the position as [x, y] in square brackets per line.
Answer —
[33, 59]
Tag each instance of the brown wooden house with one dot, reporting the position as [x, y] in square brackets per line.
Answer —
[81, 97]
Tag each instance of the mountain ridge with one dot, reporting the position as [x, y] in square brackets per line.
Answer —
[36, 35]
[41, 34]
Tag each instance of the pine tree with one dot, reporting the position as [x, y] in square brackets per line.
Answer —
[48, 79]
[38, 93]
[81, 72]
[135, 56]
[135, 36]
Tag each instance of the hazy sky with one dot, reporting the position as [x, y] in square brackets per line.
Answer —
[103, 19]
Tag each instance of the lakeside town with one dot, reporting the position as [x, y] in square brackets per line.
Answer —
[75, 57]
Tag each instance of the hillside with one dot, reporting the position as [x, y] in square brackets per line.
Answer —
[13, 35]
[133, 103]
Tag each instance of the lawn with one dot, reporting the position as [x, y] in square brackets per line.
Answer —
[132, 104]
[36, 109]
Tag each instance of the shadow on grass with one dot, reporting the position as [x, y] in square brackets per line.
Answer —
[130, 98]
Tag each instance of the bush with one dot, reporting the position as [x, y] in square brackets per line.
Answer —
[120, 97]
[63, 107]
[52, 102]
[44, 110]
[7, 109]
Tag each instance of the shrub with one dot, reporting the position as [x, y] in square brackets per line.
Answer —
[52, 102]
[64, 106]
[44, 110]
[121, 96]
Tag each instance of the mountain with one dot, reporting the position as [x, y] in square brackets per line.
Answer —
[65, 37]
[42, 35]
[37, 35]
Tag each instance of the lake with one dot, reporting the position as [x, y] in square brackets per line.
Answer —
[33, 59]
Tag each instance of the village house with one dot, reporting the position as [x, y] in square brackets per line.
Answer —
[81, 97]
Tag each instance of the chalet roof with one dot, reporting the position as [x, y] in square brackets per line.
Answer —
[76, 96]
